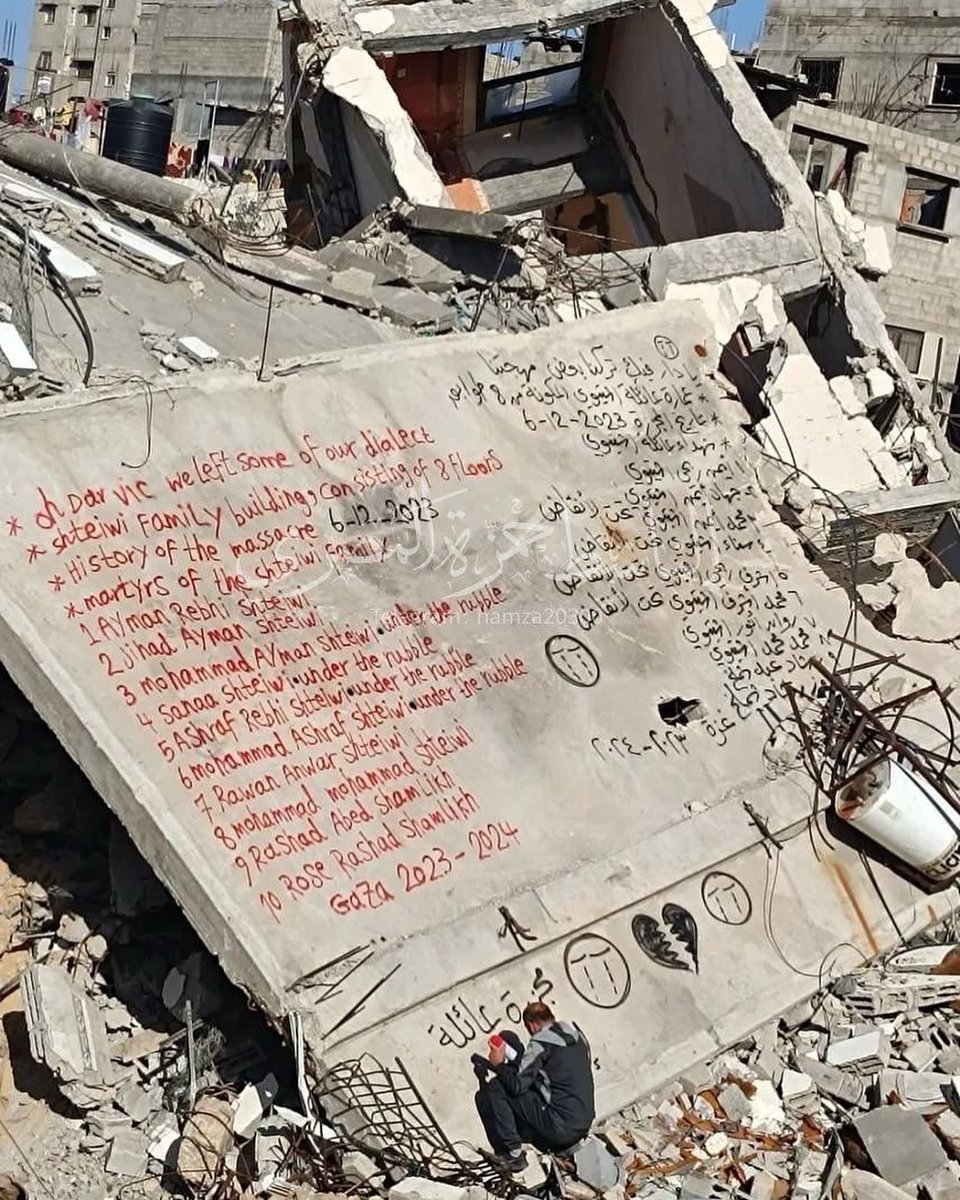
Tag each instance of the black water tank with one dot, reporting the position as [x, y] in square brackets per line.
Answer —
[138, 134]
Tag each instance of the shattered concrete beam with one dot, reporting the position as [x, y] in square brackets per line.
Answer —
[527, 190]
[443, 24]
[355, 79]
[915, 512]
[780, 257]
[102, 176]
[455, 222]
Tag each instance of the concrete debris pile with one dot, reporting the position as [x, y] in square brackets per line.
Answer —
[176, 354]
[854, 1093]
[436, 270]
[112, 1014]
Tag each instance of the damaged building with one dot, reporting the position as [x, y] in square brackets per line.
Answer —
[515, 579]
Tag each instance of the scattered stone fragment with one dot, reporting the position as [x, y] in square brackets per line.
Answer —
[137, 1102]
[947, 1127]
[899, 1143]
[716, 1144]
[596, 1166]
[199, 350]
[96, 947]
[207, 1133]
[65, 1027]
[161, 1132]
[72, 929]
[415, 1188]
[356, 1167]
[866, 1053]
[862, 1185]
[141, 1045]
[149, 329]
[128, 1154]
[925, 1091]
[833, 1081]
[251, 1105]
[942, 1184]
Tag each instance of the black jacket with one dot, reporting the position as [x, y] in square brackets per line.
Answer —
[556, 1065]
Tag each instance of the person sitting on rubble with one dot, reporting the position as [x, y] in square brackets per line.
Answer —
[542, 1095]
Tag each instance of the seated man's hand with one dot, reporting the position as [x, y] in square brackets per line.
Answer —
[480, 1066]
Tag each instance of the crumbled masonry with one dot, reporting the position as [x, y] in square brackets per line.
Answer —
[496, 555]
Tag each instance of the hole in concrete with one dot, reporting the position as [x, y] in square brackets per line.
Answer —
[681, 712]
[746, 367]
[824, 327]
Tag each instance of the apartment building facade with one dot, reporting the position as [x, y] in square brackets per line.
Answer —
[882, 127]
[192, 52]
[81, 50]
[895, 63]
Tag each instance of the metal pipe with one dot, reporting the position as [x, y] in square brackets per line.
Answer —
[102, 176]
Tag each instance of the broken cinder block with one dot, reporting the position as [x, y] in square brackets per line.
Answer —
[65, 1026]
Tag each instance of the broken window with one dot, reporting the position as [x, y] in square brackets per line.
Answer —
[106, 32]
[908, 343]
[48, 13]
[44, 60]
[532, 75]
[946, 84]
[823, 75]
[84, 69]
[110, 79]
[925, 201]
[825, 163]
[88, 15]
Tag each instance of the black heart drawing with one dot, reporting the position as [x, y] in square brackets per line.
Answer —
[653, 941]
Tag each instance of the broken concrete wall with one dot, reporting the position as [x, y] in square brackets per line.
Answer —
[394, 655]
[918, 294]
[690, 169]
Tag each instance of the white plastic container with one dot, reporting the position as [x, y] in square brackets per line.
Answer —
[901, 812]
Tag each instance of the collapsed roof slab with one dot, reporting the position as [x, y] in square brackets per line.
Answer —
[442, 24]
[437, 679]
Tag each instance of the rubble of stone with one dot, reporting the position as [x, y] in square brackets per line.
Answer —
[852, 1095]
[855, 1093]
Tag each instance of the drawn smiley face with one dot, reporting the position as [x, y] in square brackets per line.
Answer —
[597, 971]
[574, 662]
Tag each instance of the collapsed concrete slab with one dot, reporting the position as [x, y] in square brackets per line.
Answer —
[435, 681]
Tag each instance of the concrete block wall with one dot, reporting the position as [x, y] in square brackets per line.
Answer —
[920, 292]
[209, 38]
[183, 44]
[892, 47]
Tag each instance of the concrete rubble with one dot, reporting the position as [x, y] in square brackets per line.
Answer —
[121, 1031]
[773, 1117]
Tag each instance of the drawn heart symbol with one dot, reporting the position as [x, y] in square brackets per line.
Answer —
[652, 938]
